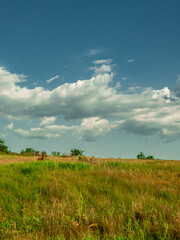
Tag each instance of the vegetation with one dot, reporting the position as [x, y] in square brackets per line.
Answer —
[110, 199]
[142, 156]
[30, 152]
[76, 152]
[56, 153]
[150, 157]
[3, 148]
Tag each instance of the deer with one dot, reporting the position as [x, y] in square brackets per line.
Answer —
[43, 157]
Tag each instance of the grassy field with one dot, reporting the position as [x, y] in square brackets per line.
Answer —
[68, 198]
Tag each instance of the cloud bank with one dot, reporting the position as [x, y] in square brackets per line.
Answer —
[100, 107]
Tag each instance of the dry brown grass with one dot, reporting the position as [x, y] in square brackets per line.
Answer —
[9, 159]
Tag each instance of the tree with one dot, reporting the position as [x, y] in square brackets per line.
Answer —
[150, 157]
[30, 152]
[54, 153]
[76, 152]
[141, 156]
[3, 148]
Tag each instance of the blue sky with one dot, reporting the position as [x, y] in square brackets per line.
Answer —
[102, 76]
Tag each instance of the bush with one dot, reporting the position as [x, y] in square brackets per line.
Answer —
[3, 148]
[30, 152]
[141, 156]
[56, 153]
[76, 152]
[150, 157]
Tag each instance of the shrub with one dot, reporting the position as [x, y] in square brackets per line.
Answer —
[54, 153]
[3, 148]
[141, 156]
[30, 152]
[150, 157]
[76, 152]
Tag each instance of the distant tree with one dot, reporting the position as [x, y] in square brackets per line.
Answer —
[30, 152]
[150, 157]
[141, 156]
[54, 153]
[76, 152]
[3, 148]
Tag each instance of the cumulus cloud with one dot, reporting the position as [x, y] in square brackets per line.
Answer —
[102, 69]
[52, 79]
[99, 107]
[90, 129]
[163, 122]
[47, 121]
[134, 88]
[9, 127]
[118, 85]
[6, 130]
[93, 128]
[52, 131]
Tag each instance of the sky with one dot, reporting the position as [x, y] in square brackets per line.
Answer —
[102, 76]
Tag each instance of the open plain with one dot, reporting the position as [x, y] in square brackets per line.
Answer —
[89, 198]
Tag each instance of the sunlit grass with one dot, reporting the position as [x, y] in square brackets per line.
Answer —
[115, 199]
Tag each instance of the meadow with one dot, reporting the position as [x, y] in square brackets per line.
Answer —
[89, 198]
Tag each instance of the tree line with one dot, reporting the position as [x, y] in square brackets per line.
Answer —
[33, 152]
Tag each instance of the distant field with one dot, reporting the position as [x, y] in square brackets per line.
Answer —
[89, 198]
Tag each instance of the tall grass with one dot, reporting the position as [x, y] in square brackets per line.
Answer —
[113, 200]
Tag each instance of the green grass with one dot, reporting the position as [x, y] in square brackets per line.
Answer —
[115, 200]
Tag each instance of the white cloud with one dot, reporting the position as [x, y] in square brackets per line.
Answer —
[104, 61]
[52, 79]
[134, 88]
[124, 78]
[8, 79]
[35, 83]
[90, 129]
[99, 106]
[2, 135]
[130, 60]
[93, 128]
[118, 85]
[47, 121]
[163, 122]
[9, 127]
[52, 131]
[102, 69]
[6, 130]
[165, 92]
